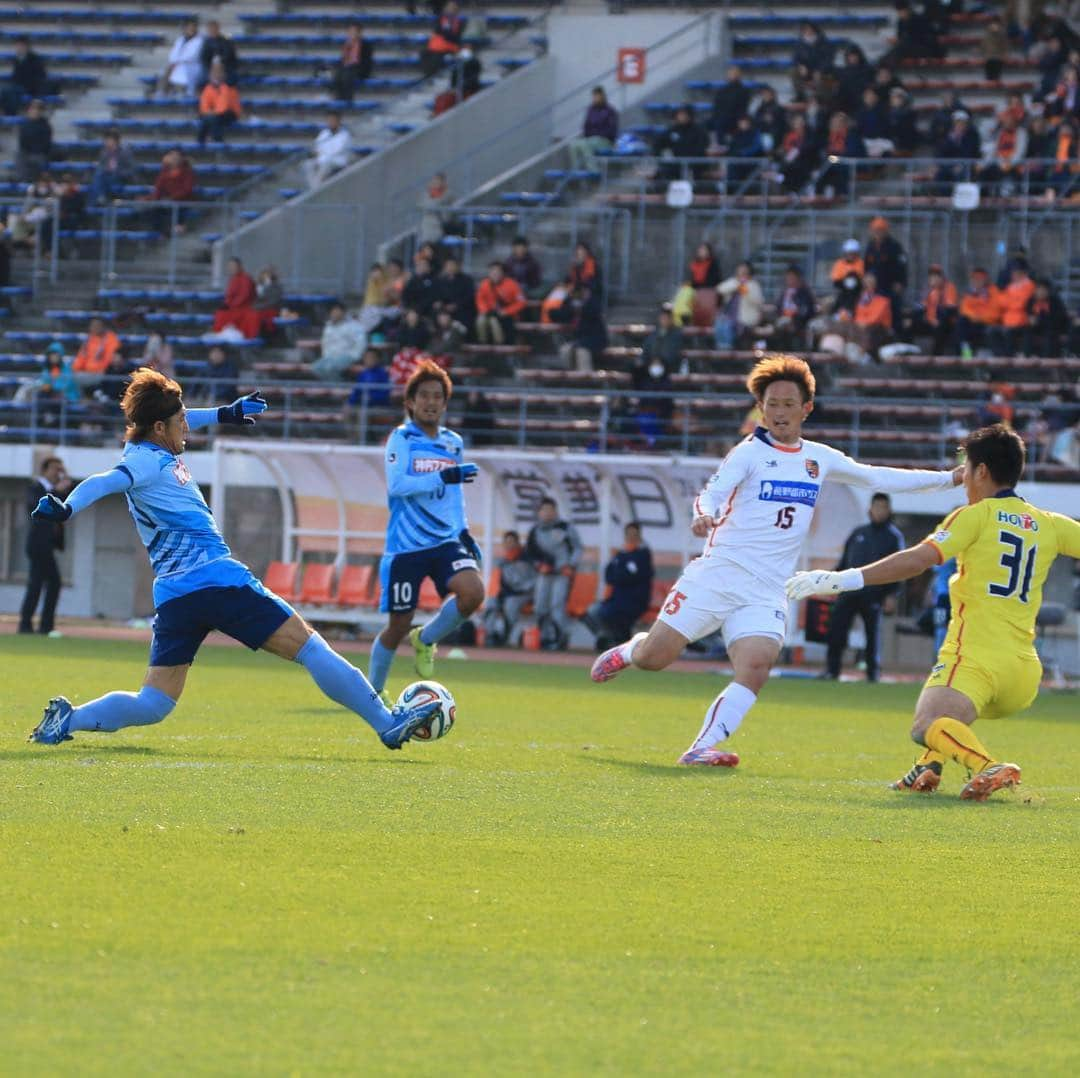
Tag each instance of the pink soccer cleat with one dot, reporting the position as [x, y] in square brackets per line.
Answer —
[709, 758]
[611, 662]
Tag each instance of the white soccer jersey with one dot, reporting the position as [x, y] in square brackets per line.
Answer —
[763, 498]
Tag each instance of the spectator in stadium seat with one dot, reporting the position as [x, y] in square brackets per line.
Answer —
[944, 116]
[794, 308]
[184, 68]
[872, 123]
[445, 39]
[1050, 56]
[746, 145]
[585, 349]
[852, 79]
[554, 547]
[916, 35]
[447, 337]
[1042, 146]
[55, 384]
[994, 49]
[814, 50]
[222, 375]
[517, 583]
[584, 269]
[463, 82]
[1003, 156]
[665, 343]
[885, 80]
[900, 127]
[846, 276]
[1048, 322]
[434, 206]
[980, 310]
[843, 140]
[629, 577]
[769, 117]
[238, 307]
[219, 106]
[683, 140]
[330, 152]
[355, 65]
[114, 170]
[269, 297]
[72, 201]
[413, 331]
[498, 303]
[1064, 100]
[35, 144]
[796, 156]
[937, 312]
[28, 79]
[704, 269]
[524, 268]
[342, 344]
[742, 307]
[651, 411]
[175, 183]
[873, 321]
[1014, 300]
[216, 46]
[960, 143]
[886, 259]
[455, 292]
[419, 290]
[43, 539]
[99, 349]
[598, 132]
[372, 382]
[730, 102]
[158, 356]
[35, 214]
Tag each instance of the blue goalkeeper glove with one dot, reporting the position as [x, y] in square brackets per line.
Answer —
[459, 473]
[239, 413]
[51, 508]
[469, 543]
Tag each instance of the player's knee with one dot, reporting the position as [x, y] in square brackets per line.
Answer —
[469, 598]
[918, 729]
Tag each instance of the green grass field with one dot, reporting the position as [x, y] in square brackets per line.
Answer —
[256, 886]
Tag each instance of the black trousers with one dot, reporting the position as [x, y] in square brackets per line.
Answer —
[44, 572]
[843, 614]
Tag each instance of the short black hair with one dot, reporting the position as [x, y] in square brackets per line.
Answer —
[47, 461]
[632, 524]
[547, 501]
[1001, 449]
[881, 496]
[511, 534]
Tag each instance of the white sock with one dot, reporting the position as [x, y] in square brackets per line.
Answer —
[725, 715]
[627, 650]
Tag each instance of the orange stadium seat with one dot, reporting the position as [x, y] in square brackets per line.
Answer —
[429, 596]
[281, 578]
[318, 584]
[582, 594]
[354, 586]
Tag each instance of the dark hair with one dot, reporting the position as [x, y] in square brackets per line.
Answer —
[519, 240]
[781, 367]
[547, 501]
[149, 397]
[47, 461]
[334, 112]
[426, 372]
[881, 496]
[1001, 449]
[511, 534]
[632, 524]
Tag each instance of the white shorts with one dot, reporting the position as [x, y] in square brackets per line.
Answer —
[706, 599]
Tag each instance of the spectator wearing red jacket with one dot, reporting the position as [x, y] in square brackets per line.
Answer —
[499, 301]
[239, 307]
[175, 183]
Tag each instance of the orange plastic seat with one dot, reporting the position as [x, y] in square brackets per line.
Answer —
[281, 578]
[429, 596]
[582, 594]
[354, 586]
[318, 584]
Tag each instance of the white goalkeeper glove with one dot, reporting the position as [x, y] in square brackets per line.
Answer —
[822, 582]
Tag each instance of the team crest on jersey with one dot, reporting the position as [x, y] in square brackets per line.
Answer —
[180, 470]
[1018, 520]
[812, 468]
[941, 536]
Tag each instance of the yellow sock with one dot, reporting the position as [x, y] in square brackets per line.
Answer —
[957, 742]
[930, 757]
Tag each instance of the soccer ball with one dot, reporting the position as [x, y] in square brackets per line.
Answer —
[422, 692]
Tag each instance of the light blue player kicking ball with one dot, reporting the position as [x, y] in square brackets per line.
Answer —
[198, 585]
[428, 533]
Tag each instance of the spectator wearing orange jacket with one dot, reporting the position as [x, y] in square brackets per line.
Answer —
[219, 105]
[96, 354]
[936, 315]
[499, 300]
[873, 320]
[980, 309]
[1014, 300]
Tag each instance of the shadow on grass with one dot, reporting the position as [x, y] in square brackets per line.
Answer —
[643, 767]
[85, 751]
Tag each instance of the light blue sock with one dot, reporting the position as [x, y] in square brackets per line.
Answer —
[443, 624]
[116, 710]
[379, 664]
[343, 683]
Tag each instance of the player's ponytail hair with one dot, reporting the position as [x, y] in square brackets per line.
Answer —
[426, 371]
[781, 367]
[149, 397]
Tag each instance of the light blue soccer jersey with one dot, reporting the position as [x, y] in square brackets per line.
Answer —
[425, 512]
[186, 550]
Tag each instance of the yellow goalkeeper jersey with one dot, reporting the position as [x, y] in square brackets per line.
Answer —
[1004, 548]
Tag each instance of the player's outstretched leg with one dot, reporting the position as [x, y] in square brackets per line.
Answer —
[346, 685]
[109, 713]
[723, 718]
[613, 661]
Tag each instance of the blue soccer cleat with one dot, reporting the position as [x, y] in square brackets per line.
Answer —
[407, 720]
[54, 724]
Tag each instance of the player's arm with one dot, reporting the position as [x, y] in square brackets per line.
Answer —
[843, 469]
[90, 490]
[900, 566]
[1068, 535]
[240, 413]
[401, 484]
[709, 504]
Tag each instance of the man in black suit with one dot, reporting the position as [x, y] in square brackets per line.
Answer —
[44, 538]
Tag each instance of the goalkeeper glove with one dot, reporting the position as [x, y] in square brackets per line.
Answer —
[51, 508]
[821, 582]
[459, 473]
[239, 413]
[469, 543]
